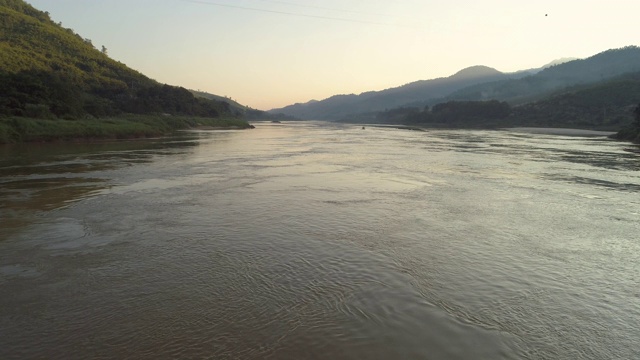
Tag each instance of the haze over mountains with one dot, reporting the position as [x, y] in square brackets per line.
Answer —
[338, 106]
[477, 83]
[600, 67]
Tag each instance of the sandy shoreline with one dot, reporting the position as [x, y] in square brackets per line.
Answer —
[560, 131]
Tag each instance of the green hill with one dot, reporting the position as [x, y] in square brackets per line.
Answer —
[50, 72]
[234, 106]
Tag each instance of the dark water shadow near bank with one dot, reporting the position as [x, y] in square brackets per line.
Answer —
[39, 177]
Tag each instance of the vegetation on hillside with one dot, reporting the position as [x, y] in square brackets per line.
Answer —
[597, 68]
[48, 72]
[605, 105]
[631, 132]
[243, 111]
[452, 114]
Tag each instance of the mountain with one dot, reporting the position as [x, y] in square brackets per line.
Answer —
[558, 62]
[477, 83]
[605, 105]
[243, 111]
[533, 71]
[415, 93]
[599, 67]
[234, 106]
[47, 71]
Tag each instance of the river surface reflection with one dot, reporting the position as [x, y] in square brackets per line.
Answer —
[315, 240]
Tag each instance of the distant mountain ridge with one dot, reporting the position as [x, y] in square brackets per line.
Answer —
[600, 67]
[476, 83]
[559, 61]
[338, 106]
[606, 105]
[478, 71]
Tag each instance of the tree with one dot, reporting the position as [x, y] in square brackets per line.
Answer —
[104, 50]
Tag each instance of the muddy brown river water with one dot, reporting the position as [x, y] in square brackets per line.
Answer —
[316, 240]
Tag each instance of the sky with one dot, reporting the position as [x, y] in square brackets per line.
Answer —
[271, 53]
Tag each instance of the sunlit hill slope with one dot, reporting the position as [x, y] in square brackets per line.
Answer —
[47, 71]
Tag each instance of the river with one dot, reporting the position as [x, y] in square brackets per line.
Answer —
[315, 240]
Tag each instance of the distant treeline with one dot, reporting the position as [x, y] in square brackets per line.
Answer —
[449, 114]
[254, 114]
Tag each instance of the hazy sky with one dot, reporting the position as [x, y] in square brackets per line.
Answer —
[268, 53]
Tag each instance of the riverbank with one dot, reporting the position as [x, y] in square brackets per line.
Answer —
[529, 130]
[560, 131]
[18, 129]
[629, 133]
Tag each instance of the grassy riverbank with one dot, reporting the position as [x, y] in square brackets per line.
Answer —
[19, 129]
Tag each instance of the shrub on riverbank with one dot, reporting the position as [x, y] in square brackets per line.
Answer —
[631, 132]
[19, 129]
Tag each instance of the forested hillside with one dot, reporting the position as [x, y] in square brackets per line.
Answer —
[47, 71]
[603, 105]
[451, 114]
[597, 68]
[606, 105]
